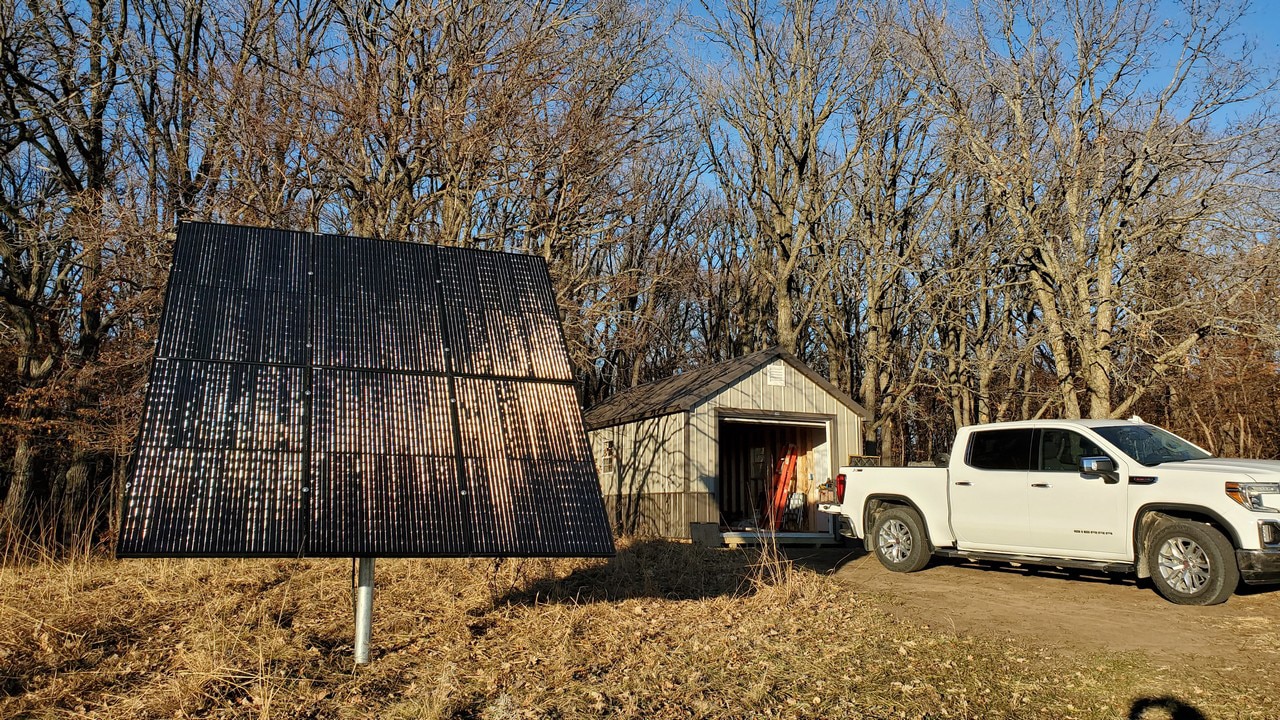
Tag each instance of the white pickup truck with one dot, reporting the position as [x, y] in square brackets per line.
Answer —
[1110, 495]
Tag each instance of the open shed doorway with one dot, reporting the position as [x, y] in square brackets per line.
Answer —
[751, 452]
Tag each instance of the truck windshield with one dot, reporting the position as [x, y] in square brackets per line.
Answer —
[1150, 445]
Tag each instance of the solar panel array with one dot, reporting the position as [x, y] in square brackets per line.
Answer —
[319, 395]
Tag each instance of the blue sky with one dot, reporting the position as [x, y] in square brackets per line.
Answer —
[1264, 22]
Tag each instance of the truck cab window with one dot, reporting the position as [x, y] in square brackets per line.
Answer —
[1061, 450]
[1001, 449]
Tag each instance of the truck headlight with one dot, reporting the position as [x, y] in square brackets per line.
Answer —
[1250, 494]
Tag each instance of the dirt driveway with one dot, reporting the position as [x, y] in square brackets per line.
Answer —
[1073, 613]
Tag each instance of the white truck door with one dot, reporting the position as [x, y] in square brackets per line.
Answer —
[1074, 515]
[988, 490]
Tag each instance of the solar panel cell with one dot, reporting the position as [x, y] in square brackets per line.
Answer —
[375, 306]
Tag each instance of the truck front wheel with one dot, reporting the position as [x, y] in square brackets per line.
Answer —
[1192, 564]
[899, 540]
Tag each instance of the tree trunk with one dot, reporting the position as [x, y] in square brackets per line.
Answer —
[77, 519]
[20, 484]
[788, 333]
[1059, 345]
[887, 448]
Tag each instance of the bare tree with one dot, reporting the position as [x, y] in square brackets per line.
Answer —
[886, 277]
[776, 87]
[1097, 176]
[59, 72]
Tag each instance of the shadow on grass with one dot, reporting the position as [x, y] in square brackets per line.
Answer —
[1172, 708]
[655, 568]
[826, 560]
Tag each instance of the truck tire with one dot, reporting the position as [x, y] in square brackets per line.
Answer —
[1192, 563]
[899, 540]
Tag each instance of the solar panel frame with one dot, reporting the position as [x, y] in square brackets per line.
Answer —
[361, 436]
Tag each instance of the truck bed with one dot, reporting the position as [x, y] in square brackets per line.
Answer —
[923, 487]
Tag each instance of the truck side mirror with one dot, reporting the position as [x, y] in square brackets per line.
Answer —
[1100, 466]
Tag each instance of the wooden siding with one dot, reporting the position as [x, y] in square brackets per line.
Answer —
[663, 514]
[647, 470]
[798, 395]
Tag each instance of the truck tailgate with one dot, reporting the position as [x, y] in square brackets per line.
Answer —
[923, 487]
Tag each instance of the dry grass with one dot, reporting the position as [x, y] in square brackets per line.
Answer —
[666, 630]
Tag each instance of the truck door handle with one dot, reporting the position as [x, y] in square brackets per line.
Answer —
[965, 483]
[1041, 485]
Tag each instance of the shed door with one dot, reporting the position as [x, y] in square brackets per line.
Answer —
[750, 452]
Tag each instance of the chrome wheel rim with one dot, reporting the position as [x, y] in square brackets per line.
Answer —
[894, 541]
[1184, 565]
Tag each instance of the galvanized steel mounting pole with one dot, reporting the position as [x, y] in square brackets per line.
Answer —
[364, 610]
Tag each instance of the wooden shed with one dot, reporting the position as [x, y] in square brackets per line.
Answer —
[704, 446]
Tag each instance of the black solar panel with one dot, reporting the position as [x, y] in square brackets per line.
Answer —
[318, 395]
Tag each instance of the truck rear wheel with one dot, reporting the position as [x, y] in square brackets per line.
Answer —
[899, 540]
[1192, 564]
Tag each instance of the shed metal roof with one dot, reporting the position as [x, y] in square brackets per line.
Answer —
[682, 392]
[322, 395]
